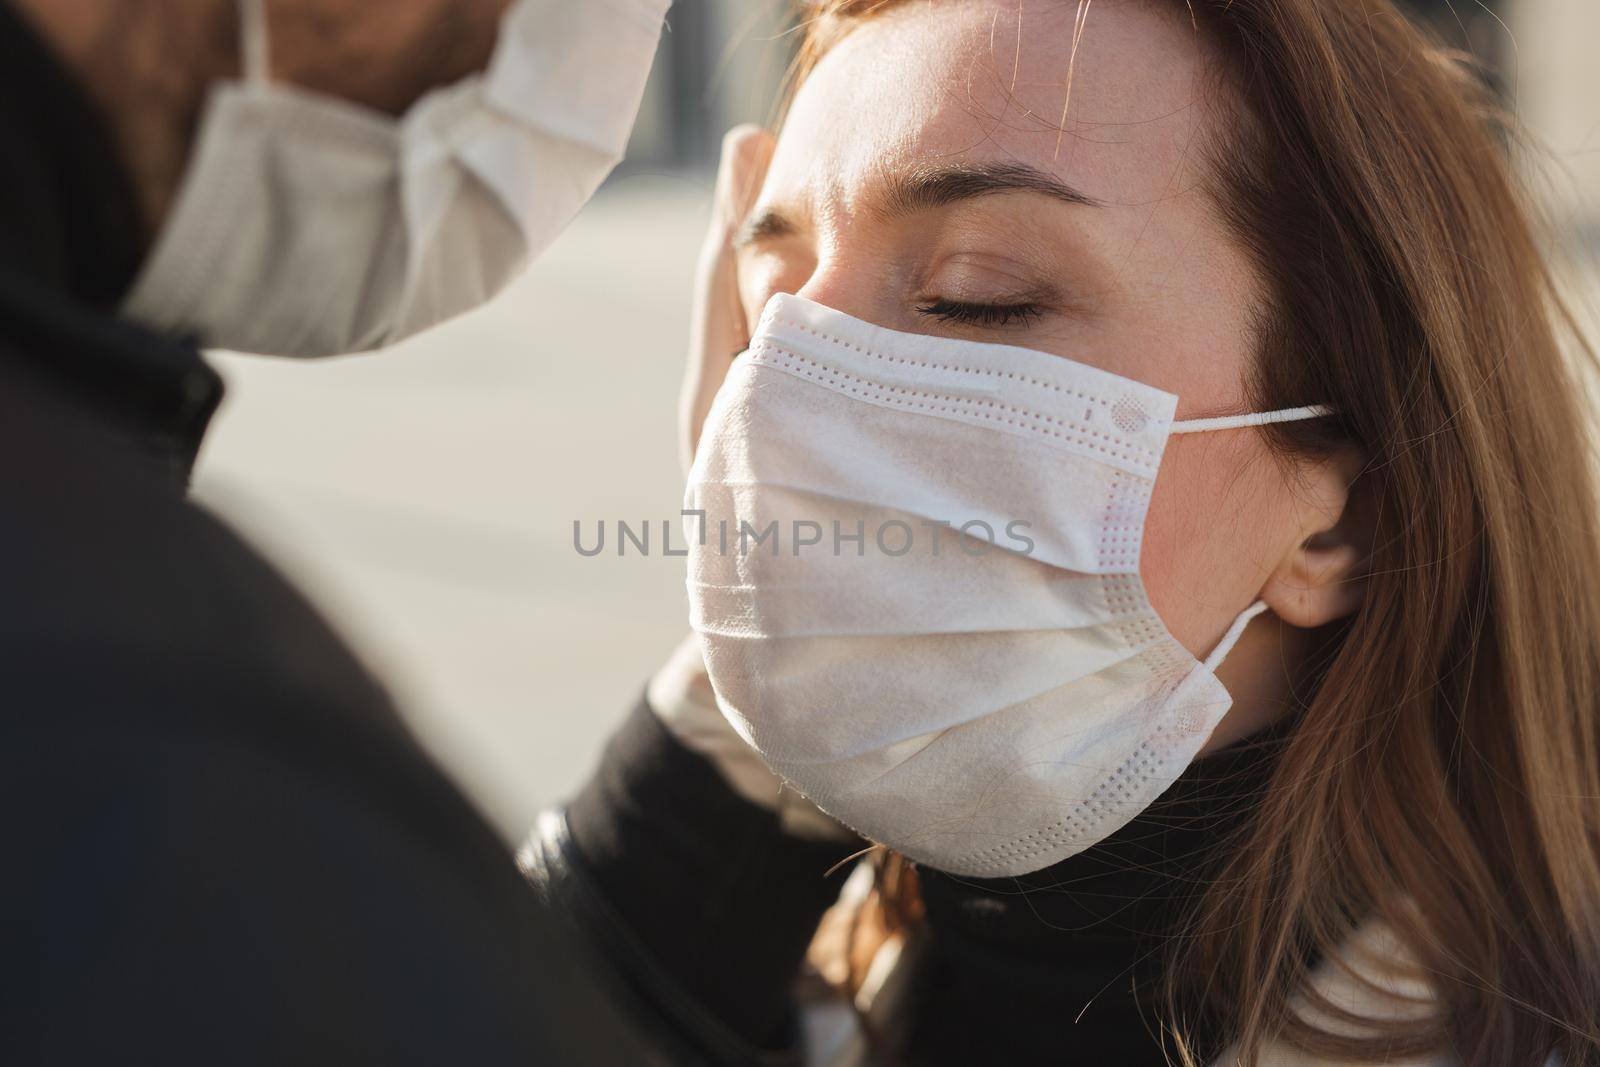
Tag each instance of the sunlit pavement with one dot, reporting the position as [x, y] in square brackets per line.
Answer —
[425, 496]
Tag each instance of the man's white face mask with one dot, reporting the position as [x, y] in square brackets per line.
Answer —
[941, 637]
[310, 226]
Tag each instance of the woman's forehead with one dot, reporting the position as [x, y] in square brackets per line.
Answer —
[1108, 95]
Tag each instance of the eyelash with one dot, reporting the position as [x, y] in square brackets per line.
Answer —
[980, 314]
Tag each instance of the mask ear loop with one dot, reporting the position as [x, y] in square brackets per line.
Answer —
[1235, 631]
[1234, 422]
[1254, 418]
[254, 55]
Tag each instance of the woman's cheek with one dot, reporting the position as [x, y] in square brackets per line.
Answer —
[1201, 551]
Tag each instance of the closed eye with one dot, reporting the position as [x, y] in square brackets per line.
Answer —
[993, 315]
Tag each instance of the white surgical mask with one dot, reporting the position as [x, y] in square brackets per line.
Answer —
[310, 226]
[984, 708]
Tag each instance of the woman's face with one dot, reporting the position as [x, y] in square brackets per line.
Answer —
[926, 180]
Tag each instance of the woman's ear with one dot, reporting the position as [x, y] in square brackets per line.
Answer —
[1323, 576]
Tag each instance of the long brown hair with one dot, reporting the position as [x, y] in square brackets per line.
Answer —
[1443, 777]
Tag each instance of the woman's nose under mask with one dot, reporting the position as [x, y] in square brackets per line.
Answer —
[915, 574]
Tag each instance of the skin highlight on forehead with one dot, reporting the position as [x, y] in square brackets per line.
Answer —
[1040, 81]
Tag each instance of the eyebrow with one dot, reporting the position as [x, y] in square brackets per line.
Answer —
[770, 224]
[928, 187]
[938, 186]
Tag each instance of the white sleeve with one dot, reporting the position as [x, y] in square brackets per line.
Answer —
[495, 167]
[576, 68]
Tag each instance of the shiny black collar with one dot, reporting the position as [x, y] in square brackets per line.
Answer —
[150, 393]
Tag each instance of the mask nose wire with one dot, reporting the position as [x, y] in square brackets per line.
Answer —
[255, 58]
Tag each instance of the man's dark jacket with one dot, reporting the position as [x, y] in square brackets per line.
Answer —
[220, 845]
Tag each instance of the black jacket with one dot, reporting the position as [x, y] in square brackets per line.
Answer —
[704, 907]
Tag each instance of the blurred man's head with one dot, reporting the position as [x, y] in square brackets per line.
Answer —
[149, 65]
[319, 177]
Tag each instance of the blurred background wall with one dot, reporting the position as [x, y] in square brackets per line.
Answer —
[426, 497]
